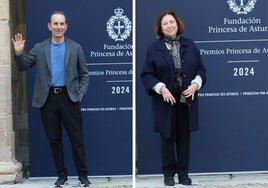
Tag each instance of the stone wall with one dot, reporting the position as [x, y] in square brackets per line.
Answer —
[10, 169]
[19, 90]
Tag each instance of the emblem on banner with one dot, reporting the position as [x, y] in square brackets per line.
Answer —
[119, 26]
[242, 7]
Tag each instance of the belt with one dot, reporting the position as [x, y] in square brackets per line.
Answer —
[56, 90]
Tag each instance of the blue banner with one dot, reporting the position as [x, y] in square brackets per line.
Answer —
[104, 30]
[232, 36]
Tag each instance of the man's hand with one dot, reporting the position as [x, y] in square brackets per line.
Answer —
[18, 43]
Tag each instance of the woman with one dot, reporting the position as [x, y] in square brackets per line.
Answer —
[172, 74]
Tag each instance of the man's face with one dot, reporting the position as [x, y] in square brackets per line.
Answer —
[57, 26]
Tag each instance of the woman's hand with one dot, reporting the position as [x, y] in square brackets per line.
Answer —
[190, 91]
[167, 96]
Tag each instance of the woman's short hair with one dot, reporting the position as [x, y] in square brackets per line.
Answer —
[158, 28]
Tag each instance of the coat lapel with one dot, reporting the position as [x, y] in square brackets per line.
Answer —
[164, 52]
[67, 52]
[48, 53]
[183, 47]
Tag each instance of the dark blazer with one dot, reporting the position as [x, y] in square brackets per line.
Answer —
[159, 67]
[77, 78]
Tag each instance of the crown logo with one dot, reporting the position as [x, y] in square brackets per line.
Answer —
[242, 7]
[119, 26]
[118, 11]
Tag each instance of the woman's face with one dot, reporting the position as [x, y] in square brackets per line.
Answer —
[169, 26]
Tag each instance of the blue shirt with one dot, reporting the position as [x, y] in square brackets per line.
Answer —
[58, 64]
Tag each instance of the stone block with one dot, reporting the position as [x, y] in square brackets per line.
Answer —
[5, 43]
[7, 146]
[4, 9]
[5, 91]
[10, 172]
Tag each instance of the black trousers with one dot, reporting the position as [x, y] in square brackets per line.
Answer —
[58, 110]
[175, 150]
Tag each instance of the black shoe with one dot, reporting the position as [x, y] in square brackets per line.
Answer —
[61, 181]
[185, 180]
[169, 181]
[83, 181]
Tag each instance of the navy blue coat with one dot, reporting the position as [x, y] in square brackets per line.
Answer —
[159, 67]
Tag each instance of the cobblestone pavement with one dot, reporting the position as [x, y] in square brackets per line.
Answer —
[245, 180]
[96, 182]
[211, 181]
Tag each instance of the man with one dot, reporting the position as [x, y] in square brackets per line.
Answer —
[61, 82]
